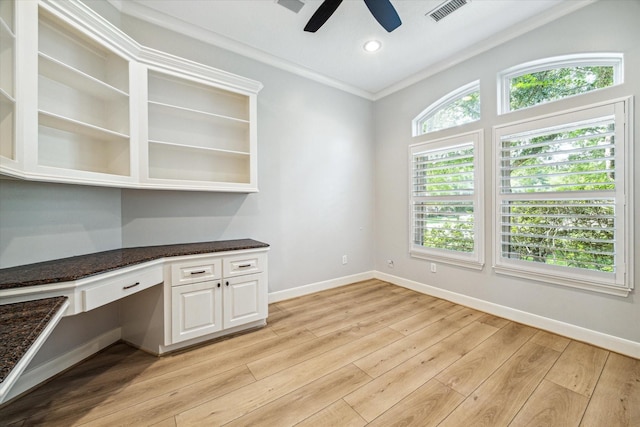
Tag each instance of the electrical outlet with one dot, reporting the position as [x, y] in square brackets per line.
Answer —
[433, 267]
[344, 259]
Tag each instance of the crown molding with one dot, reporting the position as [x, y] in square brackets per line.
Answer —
[144, 13]
[487, 44]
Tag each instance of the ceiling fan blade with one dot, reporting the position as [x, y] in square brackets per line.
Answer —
[323, 13]
[384, 13]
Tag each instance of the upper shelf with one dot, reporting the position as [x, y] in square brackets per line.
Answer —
[190, 95]
[72, 77]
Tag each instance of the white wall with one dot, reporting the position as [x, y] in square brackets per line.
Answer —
[601, 27]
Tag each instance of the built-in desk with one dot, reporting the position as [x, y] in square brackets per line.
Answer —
[205, 290]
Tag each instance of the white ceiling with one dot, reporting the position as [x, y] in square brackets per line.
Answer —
[334, 55]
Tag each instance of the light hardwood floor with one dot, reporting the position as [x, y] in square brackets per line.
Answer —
[366, 354]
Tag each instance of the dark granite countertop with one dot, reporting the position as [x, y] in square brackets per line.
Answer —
[20, 324]
[78, 267]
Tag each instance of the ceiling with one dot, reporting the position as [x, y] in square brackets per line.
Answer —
[269, 32]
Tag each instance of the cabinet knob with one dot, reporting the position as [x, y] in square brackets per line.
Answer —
[227, 283]
[218, 284]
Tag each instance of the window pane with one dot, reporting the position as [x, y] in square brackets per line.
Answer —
[570, 233]
[558, 196]
[443, 180]
[444, 225]
[447, 172]
[463, 110]
[544, 86]
[574, 159]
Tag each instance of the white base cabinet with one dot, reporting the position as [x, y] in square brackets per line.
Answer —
[243, 300]
[196, 310]
[203, 297]
[206, 299]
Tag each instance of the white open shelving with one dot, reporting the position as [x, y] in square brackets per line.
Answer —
[197, 132]
[83, 103]
[7, 80]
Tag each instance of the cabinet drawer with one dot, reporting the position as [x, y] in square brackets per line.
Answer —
[196, 271]
[109, 290]
[244, 264]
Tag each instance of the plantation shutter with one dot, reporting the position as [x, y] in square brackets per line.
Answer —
[561, 203]
[571, 220]
[443, 198]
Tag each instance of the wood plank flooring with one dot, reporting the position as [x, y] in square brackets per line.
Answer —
[365, 354]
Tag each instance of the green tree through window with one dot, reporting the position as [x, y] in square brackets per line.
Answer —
[550, 85]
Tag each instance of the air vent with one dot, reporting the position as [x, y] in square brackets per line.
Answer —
[292, 5]
[446, 9]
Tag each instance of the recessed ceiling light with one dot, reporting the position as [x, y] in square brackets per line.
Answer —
[372, 46]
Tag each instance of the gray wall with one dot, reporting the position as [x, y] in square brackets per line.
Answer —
[40, 221]
[601, 27]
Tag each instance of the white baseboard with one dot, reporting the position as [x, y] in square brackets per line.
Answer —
[43, 372]
[609, 342]
[319, 286]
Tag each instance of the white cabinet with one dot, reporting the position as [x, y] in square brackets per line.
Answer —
[198, 134]
[203, 304]
[84, 129]
[243, 300]
[81, 102]
[7, 82]
[196, 310]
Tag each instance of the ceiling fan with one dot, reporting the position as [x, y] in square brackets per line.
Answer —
[382, 10]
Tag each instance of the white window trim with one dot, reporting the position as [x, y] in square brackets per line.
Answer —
[474, 260]
[622, 108]
[575, 60]
[441, 103]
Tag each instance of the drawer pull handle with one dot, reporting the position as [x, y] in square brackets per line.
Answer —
[244, 266]
[198, 272]
[130, 286]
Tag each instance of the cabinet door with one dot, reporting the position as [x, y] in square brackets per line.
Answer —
[196, 310]
[245, 300]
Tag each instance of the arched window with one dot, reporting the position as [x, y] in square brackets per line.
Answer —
[455, 108]
[551, 79]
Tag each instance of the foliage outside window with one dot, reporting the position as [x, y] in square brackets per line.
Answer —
[456, 108]
[446, 192]
[556, 78]
[563, 198]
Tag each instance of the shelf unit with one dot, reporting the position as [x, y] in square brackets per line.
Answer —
[198, 133]
[83, 103]
[7, 80]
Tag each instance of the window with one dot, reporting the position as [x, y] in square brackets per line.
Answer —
[551, 79]
[446, 193]
[564, 198]
[456, 108]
